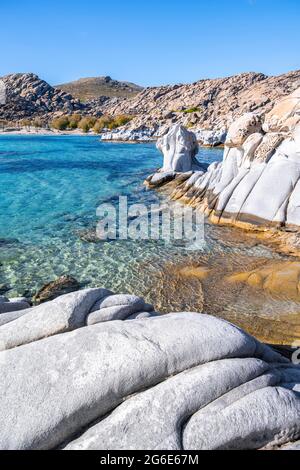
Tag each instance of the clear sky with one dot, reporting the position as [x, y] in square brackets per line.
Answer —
[148, 42]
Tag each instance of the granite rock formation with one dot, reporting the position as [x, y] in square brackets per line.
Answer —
[258, 182]
[207, 107]
[91, 88]
[95, 370]
[12, 305]
[179, 148]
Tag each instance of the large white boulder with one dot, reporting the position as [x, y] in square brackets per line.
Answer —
[134, 379]
[284, 115]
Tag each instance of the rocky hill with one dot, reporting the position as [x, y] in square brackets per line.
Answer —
[27, 96]
[94, 87]
[206, 104]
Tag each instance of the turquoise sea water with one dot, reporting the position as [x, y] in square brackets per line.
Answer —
[50, 188]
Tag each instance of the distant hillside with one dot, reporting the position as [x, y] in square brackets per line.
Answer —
[206, 104]
[91, 88]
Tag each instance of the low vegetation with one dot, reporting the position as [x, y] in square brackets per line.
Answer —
[87, 123]
[70, 122]
[194, 109]
[61, 123]
[3, 124]
[191, 110]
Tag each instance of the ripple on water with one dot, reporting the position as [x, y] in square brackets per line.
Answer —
[50, 188]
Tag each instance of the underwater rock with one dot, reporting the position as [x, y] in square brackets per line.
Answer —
[4, 288]
[88, 235]
[282, 279]
[62, 285]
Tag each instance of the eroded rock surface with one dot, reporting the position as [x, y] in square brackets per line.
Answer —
[179, 148]
[282, 279]
[129, 378]
[13, 305]
[207, 107]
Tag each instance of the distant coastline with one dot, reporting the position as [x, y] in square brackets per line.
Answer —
[43, 131]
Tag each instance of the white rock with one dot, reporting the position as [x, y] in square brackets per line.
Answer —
[288, 107]
[179, 148]
[210, 137]
[257, 182]
[12, 305]
[65, 313]
[177, 381]
[116, 307]
[131, 426]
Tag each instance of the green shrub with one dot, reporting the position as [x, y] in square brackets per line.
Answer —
[37, 122]
[3, 123]
[25, 123]
[61, 123]
[101, 123]
[92, 121]
[112, 125]
[191, 110]
[108, 122]
[98, 127]
[122, 119]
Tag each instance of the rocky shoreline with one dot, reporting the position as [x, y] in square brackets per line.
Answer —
[261, 153]
[42, 131]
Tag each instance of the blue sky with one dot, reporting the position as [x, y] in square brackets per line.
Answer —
[149, 42]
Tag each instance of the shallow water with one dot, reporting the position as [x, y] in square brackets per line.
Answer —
[50, 188]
